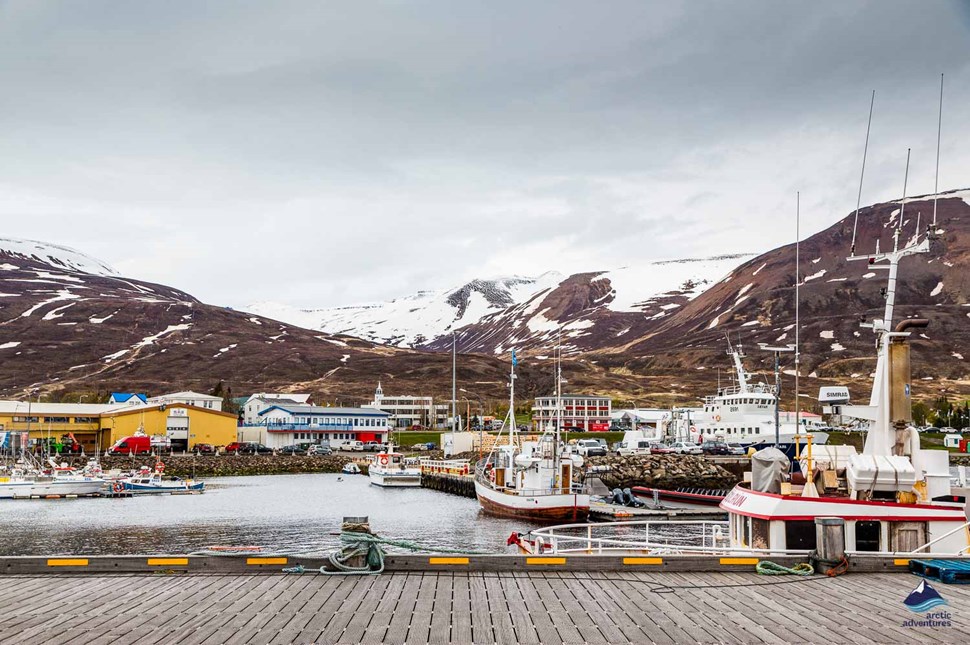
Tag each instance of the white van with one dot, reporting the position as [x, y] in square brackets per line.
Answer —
[347, 445]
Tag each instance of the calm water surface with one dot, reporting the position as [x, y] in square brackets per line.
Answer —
[278, 512]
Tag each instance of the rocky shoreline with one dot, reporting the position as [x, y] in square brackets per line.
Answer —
[229, 465]
[663, 471]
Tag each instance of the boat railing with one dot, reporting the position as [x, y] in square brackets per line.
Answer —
[459, 467]
[687, 536]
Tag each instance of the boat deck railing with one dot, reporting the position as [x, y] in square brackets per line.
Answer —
[684, 537]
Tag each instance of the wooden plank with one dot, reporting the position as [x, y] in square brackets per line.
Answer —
[441, 615]
[461, 609]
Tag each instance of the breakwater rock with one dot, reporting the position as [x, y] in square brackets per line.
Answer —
[229, 465]
[663, 471]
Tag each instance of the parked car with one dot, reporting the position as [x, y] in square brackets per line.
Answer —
[419, 446]
[204, 449]
[685, 448]
[319, 450]
[715, 448]
[373, 446]
[292, 450]
[590, 448]
[253, 448]
[658, 448]
[736, 449]
[234, 447]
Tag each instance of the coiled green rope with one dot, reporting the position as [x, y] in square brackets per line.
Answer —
[767, 568]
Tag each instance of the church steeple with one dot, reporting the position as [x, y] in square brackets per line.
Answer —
[378, 393]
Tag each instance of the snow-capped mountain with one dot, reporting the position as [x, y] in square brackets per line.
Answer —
[420, 318]
[491, 316]
[594, 310]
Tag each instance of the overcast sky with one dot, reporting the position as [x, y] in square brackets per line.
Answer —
[326, 153]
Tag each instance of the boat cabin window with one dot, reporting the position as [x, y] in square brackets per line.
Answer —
[800, 535]
[867, 535]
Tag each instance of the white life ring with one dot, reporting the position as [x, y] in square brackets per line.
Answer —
[383, 460]
[693, 428]
[117, 487]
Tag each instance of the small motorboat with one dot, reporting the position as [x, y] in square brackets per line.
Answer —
[350, 468]
[148, 481]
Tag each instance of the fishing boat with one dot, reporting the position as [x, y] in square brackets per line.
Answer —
[391, 469]
[26, 480]
[744, 414]
[531, 480]
[148, 481]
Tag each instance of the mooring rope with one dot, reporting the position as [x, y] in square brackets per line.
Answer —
[767, 568]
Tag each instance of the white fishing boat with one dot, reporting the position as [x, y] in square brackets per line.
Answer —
[744, 414]
[148, 481]
[391, 469]
[531, 480]
[26, 480]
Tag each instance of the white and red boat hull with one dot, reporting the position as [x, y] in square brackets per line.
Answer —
[562, 507]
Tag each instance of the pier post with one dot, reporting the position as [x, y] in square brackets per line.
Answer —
[356, 525]
[830, 541]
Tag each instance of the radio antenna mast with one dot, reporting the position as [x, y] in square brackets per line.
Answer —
[865, 152]
[939, 131]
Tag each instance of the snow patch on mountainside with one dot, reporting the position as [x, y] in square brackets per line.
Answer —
[636, 286]
[57, 256]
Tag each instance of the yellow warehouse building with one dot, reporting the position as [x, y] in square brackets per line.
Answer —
[94, 424]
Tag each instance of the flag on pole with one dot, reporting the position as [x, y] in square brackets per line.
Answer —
[515, 361]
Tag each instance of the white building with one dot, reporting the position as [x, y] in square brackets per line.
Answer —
[206, 401]
[260, 401]
[588, 413]
[407, 411]
[286, 424]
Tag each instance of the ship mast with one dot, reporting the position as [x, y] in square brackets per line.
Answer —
[555, 449]
[880, 439]
[511, 417]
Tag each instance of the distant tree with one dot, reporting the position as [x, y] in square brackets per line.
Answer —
[921, 412]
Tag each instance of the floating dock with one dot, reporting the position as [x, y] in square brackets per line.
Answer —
[536, 606]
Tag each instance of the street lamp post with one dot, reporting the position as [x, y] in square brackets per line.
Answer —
[777, 351]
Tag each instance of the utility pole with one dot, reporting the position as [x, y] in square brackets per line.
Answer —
[777, 352]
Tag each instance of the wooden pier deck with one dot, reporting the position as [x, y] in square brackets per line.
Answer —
[470, 607]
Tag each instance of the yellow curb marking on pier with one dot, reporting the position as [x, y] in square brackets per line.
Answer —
[901, 563]
[545, 560]
[160, 562]
[643, 560]
[739, 560]
[447, 560]
[68, 562]
[265, 560]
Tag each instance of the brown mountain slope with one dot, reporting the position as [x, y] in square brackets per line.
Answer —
[756, 303]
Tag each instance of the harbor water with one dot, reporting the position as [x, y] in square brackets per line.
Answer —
[285, 513]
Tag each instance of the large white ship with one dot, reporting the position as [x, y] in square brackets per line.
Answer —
[744, 414]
